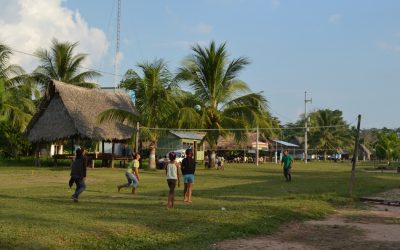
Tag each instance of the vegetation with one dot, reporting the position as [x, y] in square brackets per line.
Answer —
[153, 100]
[241, 201]
[62, 64]
[224, 101]
[16, 105]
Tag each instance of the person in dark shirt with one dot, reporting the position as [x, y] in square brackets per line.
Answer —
[78, 174]
[188, 167]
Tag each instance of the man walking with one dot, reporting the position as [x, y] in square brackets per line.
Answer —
[287, 163]
[78, 174]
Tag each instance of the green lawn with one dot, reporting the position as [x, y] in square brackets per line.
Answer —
[36, 212]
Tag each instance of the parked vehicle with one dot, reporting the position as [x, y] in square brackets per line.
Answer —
[180, 155]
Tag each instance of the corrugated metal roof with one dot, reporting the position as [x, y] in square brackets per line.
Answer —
[187, 135]
[284, 143]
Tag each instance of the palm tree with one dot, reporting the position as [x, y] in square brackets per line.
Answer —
[60, 63]
[388, 146]
[16, 105]
[153, 100]
[331, 131]
[224, 101]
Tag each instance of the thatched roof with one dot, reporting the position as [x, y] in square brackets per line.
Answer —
[69, 111]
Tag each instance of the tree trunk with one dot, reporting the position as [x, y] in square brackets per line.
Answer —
[211, 159]
[325, 157]
[152, 160]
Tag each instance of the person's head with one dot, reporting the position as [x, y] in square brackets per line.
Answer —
[189, 153]
[136, 156]
[172, 156]
[285, 152]
[78, 153]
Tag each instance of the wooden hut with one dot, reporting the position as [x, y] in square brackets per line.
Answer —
[70, 112]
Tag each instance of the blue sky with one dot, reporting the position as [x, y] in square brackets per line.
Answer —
[345, 54]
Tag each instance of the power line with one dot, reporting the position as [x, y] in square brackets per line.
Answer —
[82, 67]
[244, 129]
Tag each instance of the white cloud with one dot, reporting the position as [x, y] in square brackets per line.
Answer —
[335, 18]
[203, 28]
[27, 25]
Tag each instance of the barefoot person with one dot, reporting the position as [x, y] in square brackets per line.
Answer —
[172, 174]
[188, 168]
[287, 163]
[132, 174]
[78, 174]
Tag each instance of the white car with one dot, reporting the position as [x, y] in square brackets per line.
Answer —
[180, 155]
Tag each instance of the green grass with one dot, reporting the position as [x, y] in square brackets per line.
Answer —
[36, 213]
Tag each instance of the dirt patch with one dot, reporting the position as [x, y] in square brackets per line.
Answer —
[376, 227]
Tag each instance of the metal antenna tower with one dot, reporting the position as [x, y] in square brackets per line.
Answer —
[117, 59]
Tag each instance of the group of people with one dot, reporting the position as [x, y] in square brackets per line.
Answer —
[187, 167]
[172, 169]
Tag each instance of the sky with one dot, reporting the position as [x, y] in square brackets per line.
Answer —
[344, 53]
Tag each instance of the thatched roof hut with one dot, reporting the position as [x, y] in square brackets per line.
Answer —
[69, 111]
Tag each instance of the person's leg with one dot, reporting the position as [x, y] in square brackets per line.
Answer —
[122, 186]
[185, 191]
[190, 186]
[80, 187]
[171, 185]
[285, 173]
[289, 175]
[135, 183]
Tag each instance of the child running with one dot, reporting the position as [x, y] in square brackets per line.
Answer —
[172, 174]
[188, 169]
[132, 174]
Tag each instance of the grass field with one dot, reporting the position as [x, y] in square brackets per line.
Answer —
[36, 212]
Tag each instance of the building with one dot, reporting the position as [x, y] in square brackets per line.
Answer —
[68, 113]
[175, 140]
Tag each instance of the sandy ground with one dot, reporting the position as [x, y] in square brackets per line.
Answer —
[376, 227]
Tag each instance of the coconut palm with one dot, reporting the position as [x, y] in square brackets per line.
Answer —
[224, 101]
[153, 101]
[331, 131]
[16, 105]
[62, 64]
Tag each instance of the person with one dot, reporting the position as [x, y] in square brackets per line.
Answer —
[172, 176]
[287, 163]
[132, 174]
[220, 162]
[188, 167]
[78, 174]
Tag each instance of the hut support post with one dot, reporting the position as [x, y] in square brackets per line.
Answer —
[37, 155]
[112, 154]
[103, 161]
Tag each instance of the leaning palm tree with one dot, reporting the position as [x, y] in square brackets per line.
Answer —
[62, 64]
[152, 99]
[224, 101]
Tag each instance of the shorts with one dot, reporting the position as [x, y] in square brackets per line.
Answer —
[286, 171]
[188, 178]
[132, 180]
[171, 184]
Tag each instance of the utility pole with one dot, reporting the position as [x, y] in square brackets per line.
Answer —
[355, 156]
[117, 53]
[305, 125]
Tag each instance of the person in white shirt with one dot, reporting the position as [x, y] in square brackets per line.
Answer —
[172, 176]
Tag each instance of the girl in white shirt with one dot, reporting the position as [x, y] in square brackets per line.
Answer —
[172, 173]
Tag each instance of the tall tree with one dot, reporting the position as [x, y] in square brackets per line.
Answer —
[330, 131]
[224, 100]
[388, 146]
[153, 100]
[16, 105]
[62, 64]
